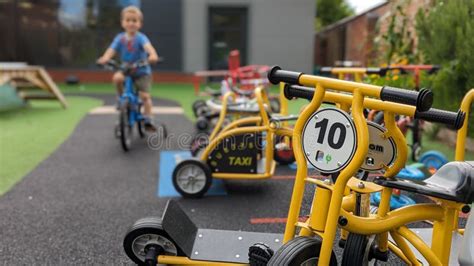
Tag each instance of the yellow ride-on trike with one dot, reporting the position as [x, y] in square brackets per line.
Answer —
[174, 239]
[231, 110]
[353, 73]
[342, 200]
[244, 149]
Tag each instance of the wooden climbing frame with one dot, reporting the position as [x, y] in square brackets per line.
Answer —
[24, 77]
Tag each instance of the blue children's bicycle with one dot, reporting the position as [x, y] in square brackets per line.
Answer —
[129, 106]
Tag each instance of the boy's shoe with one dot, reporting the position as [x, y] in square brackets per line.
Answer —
[149, 126]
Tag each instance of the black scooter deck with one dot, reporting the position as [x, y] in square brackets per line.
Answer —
[210, 244]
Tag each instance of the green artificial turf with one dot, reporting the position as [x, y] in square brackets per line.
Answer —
[30, 134]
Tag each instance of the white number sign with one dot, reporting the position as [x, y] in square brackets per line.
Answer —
[329, 140]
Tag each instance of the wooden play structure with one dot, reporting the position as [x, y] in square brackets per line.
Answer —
[31, 82]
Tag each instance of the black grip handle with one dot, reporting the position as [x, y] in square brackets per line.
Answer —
[452, 119]
[381, 71]
[423, 99]
[295, 91]
[276, 75]
[434, 69]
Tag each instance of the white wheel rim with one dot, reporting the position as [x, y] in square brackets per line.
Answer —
[139, 244]
[191, 179]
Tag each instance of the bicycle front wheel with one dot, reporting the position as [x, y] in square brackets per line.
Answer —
[125, 129]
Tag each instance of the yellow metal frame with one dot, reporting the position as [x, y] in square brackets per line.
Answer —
[462, 133]
[332, 200]
[259, 123]
[357, 72]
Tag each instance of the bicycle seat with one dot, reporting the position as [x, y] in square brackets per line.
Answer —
[454, 181]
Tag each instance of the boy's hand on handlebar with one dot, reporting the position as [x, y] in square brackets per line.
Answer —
[102, 60]
[152, 59]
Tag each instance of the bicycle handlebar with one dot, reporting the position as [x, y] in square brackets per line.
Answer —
[452, 119]
[125, 67]
[422, 99]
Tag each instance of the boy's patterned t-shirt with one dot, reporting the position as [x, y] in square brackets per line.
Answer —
[131, 50]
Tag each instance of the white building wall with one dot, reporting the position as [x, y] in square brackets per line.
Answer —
[281, 32]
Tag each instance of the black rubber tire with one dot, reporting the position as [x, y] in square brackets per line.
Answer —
[415, 151]
[125, 129]
[141, 124]
[297, 251]
[145, 226]
[208, 178]
[202, 124]
[354, 250]
[161, 129]
[199, 106]
[283, 157]
[141, 129]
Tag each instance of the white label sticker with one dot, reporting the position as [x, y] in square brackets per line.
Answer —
[329, 140]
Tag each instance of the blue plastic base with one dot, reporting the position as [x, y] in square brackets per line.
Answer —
[395, 201]
[168, 161]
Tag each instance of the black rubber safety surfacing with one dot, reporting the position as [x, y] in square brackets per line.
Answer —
[297, 251]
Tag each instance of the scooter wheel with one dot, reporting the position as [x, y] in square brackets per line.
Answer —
[144, 233]
[299, 251]
[192, 178]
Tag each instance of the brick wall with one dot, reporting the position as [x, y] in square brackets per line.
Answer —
[351, 39]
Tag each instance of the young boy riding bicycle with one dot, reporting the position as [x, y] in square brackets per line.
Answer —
[133, 46]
